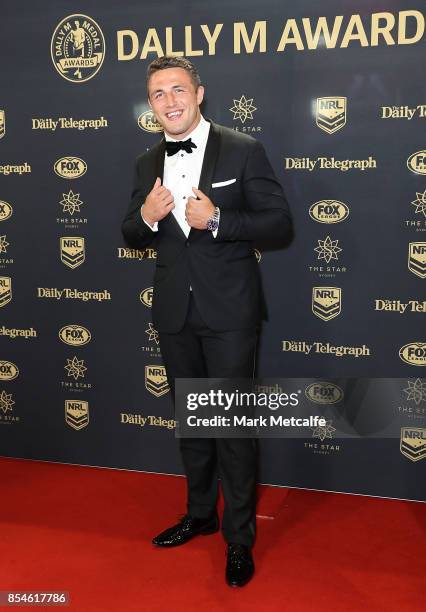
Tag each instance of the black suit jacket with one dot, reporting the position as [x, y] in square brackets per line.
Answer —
[222, 271]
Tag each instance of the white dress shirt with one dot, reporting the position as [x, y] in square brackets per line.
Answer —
[182, 172]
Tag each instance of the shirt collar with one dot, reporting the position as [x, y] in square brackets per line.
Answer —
[198, 135]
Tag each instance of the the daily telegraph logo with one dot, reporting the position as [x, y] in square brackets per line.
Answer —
[326, 302]
[78, 48]
[6, 210]
[413, 443]
[417, 162]
[417, 258]
[147, 121]
[403, 112]
[8, 370]
[156, 380]
[413, 353]
[145, 297]
[139, 254]
[331, 113]
[75, 335]
[77, 413]
[2, 123]
[322, 392]
[72, 251]
[70, 167]
[5, 290]
[329, 211]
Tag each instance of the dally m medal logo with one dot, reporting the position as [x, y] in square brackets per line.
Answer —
[329, 211]
[70, 167]
[331, 114]
[413, 443]
[326, 302]
[76, 413]
[6, 210]
[417, 258]
[72, 251]
[156, 380]
[322, 392]
[147, 121]
[5, 290]
[145, 296]
[417, 162]
[78, 48]
[2, 123]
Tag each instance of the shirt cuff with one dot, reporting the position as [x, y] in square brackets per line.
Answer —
[218, 221]
[154, 227]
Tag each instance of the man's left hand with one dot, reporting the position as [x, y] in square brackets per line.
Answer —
[198, 211]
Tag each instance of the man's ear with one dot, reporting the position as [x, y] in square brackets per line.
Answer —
[200, 94]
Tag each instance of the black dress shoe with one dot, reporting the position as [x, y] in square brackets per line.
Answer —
[187, 528]
[240, 565]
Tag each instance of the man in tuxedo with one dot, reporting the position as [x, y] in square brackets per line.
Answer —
[204, 195]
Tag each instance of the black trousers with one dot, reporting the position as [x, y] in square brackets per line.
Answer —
[198, 352]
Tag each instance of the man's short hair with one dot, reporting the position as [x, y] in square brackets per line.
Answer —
[170, 61]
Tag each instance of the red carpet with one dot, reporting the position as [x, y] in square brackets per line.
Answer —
[88, 531]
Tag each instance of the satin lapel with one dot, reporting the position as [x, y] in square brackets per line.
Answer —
[209, 164]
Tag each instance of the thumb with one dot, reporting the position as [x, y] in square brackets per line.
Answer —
[198, 193]
[157, 183]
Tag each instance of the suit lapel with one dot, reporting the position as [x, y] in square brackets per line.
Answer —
[209, 164]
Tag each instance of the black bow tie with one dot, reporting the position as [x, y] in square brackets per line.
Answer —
[173, 147]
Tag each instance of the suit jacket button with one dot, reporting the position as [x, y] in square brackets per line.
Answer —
[187, 243]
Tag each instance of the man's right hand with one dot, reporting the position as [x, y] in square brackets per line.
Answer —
[159, 202]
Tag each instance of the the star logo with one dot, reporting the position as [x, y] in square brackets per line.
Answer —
[3, 244]
[6, 402]
[420, 202]
[71, 202]
[328, 249]
[152, 334]
[416, 391]
[75, 368]
[243, 109]
[323, 432]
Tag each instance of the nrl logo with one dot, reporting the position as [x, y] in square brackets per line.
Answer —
[326, 302]
[322, 392]
[156, 380]
[147, 121]
[417, 258]
[331, 114]
[5, 290]
[329, 211]
[70, 167]
[145, 297]
[413, 353]
[75, 335]
[72, 251]
[6, 210]
[2, 123]
[413, 443]
[76, 414]
[8, 370]
[77, 48]
[417, 162]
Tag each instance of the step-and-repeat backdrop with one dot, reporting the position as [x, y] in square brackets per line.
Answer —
[337, 95]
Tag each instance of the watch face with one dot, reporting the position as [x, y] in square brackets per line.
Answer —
[212, 225]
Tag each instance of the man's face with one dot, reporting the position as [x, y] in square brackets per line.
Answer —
[174, 101]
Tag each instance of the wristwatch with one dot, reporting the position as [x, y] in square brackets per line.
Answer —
[213, 222]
